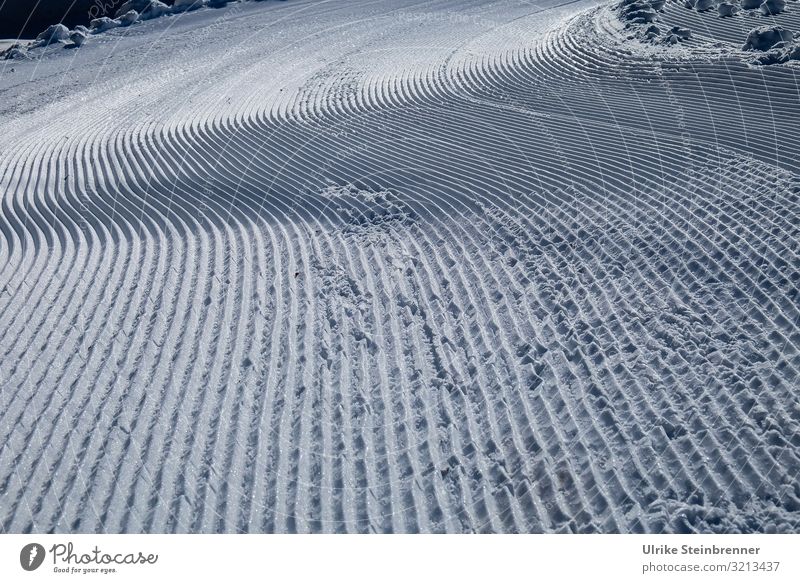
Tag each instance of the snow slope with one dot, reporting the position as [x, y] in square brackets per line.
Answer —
[400, 266]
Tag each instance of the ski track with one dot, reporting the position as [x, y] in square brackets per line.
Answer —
[388, 274]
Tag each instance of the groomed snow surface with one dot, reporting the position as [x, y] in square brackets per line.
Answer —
[404, 266]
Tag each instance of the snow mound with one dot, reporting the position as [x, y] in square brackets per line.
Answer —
[638, 11]
[103, 24]
[498, 324]
[16, 51]
[187, 5]
[681, 32]
[727, 9]
[146, 9]
[764, 38]
[641, 15]
[138, 5]
[128, 18]
[52, 34]
[703, 5]
[154, 9]
[720, 34]
[772, 7]
[78, 37]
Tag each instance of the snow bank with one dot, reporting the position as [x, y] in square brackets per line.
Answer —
[681, 32]
[52, 34]
[776, 43]
[641, 15]
[768, 45]
[764, 38]
[154, 9]
[186, 5]
[16, 51]
[138, 5]
[128, 18]
[103, 24]
[478, 327]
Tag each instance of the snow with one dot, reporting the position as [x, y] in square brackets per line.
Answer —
[186, 5]
[52, 34]
[764, 38]
[153, 9]
[103, 24]
[77, 37]
[772, 7]
[128, 18]
[453, 267]
[138, 5]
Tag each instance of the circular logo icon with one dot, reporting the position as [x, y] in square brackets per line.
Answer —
[31, 556]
